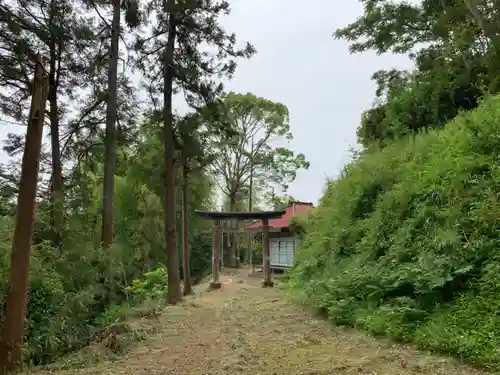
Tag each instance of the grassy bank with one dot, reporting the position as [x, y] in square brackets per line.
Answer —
[406, 242]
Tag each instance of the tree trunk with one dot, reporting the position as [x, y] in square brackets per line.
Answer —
[57, 181]
[265, 254]
[174, 293]
[233, 261]
[15, 308]
[110, 137]
[185, 232]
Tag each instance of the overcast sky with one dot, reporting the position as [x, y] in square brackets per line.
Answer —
[300, 65]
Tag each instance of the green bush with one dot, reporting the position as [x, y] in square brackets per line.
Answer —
[299, 225]
[405, 243]
[74, 291]
[153, 285]
[258, 252]
[76, 288]
[201, 256]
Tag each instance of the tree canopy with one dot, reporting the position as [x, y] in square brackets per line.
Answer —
[454, 47]
[258, 125]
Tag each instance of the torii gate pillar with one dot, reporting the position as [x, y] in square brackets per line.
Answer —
[215, 284]
[266, 261]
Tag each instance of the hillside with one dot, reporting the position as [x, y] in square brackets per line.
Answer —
[244, 329]
[405, 243]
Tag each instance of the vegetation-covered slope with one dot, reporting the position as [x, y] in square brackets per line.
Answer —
[77, 290]
[405, 242]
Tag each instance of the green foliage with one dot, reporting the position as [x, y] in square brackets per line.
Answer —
[299, 225]
[76, 290]
[405, 242]
[200, 245]
[153, 285]
[431, 97]
[249, 153]
[70, 288]
[258, 252]
[279, 202]
[197, 24]
[453, 64]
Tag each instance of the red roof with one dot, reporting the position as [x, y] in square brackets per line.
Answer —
[295, 208]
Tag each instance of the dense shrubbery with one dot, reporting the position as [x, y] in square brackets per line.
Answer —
[299, 225]
[77, 289]
[153, 285]
[405, 243]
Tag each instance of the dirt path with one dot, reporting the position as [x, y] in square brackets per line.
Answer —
[245, 329]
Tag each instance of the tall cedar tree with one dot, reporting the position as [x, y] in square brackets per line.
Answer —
[17, 296]
[110, 137]
[86, 142]
[178, 44]
[132, 18]
[169, 213]
[64, 37]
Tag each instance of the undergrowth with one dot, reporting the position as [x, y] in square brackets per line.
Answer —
[78, 289]
[405, 243]
[113, 336]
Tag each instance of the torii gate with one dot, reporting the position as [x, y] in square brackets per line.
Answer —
[217, 216]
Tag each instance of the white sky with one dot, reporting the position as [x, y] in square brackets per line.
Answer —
[299, 64]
